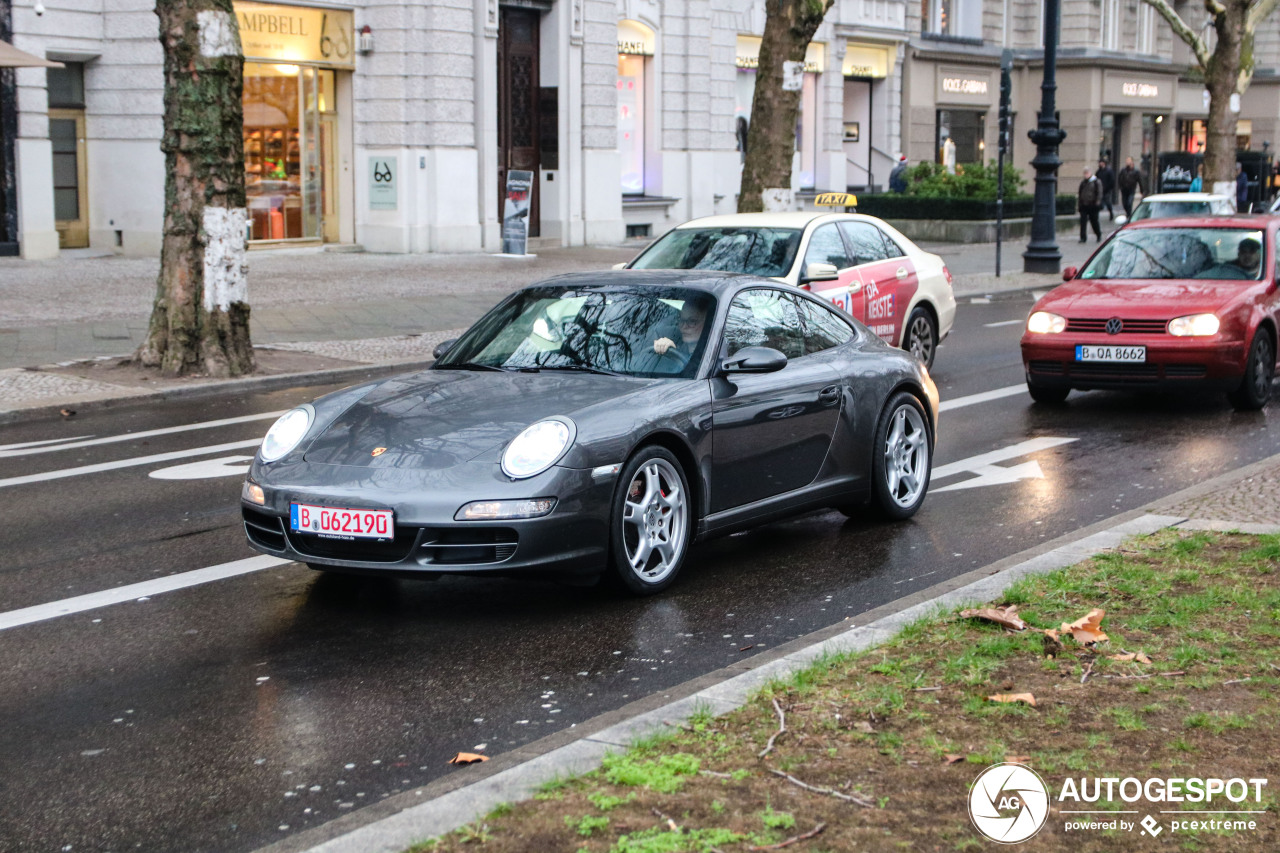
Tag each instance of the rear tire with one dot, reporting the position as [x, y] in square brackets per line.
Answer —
[1045, 394]
[921, 336]
[902, 459]
[1260, 369]
[651, 525]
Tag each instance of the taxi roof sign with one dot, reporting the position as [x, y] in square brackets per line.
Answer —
[835, 200]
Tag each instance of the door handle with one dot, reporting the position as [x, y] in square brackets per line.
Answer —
[855, 286]
[902, 272]
[830, 394]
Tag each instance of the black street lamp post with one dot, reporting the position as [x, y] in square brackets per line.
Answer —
[1042, 254]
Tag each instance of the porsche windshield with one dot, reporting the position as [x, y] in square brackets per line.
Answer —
[759, 251]
[634, 331]
[1161, 253]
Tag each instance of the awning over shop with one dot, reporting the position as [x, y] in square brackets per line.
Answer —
[11, 57]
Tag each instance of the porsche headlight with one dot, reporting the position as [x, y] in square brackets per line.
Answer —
[286, 432]
[537, 448]
[1194, 325]
[1043, 322]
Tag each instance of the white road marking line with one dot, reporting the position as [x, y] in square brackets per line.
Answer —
[223, 466]
[1002, 323]
[981, 464]
[128, 463]
[985, 396]
[5, 448]
[134, 591]
[29, 447]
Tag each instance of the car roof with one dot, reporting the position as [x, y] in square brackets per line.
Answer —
[1236, 220]
[711, 281]
[784, 219]
[1186, 197]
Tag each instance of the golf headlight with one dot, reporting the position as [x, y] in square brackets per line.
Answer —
[1043, 322]
[1194, 325]
[537, 448]
[286, 432]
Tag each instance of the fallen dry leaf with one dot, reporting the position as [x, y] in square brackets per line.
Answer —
[1006, 616]
[66, 413]
[1014, 697]
[1087, 629]
[467, 758]
[949, 758]
[1128, 656]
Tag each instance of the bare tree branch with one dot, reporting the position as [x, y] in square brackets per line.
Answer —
[1182, 31]
[1261, 10]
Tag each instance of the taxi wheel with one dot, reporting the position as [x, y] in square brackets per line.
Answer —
[901, 460]
[921, 338]
[652, 523]
[1255, 388]
[1044, 394]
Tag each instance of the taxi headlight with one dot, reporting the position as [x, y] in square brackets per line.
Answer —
[1194, 325]
[1046, 323]
[537, 448]
[286, 432]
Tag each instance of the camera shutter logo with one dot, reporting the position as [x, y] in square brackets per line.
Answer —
[1008, 803]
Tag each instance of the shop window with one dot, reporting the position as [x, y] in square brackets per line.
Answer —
[635, 49]
[951, 18]
[967, 131]
[806, 118]
[282, 105]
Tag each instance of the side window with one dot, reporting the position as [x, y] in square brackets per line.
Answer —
[865, 241]
[826, 247]
[764, 318]
[892, 249]
[823, 328]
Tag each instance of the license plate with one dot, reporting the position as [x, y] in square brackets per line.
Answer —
[342, 523]
[1088, 352]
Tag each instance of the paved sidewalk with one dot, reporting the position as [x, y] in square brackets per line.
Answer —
[338, 308]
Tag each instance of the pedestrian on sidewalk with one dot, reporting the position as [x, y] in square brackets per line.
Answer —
[1089, 202]
[1128, 180]
[1242, 190]
[1107, 177]
[898, 177]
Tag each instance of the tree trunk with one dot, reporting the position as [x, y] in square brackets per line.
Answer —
[771, 139]
[1221, 78]
[200, 318]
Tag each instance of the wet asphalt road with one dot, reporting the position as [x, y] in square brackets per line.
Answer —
[233, 714]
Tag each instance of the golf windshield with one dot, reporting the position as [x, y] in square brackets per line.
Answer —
[1162, 253]
[647, 331]
[767, 252]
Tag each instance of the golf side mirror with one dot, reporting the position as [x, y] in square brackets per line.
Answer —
[1069, 273]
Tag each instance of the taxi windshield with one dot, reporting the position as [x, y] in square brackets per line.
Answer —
[766, 252]
[649, 331]
[1165, 253]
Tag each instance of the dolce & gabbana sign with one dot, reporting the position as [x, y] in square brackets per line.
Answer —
[1121, 88]
[970, 86]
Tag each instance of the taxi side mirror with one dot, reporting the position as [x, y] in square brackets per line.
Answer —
[819, 272]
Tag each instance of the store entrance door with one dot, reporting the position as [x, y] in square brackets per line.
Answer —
[329, 178]
[70, 204]
[518, 82]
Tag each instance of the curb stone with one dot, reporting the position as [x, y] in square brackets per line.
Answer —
[446, 804]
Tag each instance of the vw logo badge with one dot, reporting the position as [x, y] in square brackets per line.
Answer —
[1114, 326]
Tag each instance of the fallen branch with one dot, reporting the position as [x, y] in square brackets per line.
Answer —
[1237, 681]
[1273, 666]
[1088, 669]
[1151, 675]
[866, 804]
[671, 824]
[795, 839]
[926, 689]
[716, 774]
[782, 727]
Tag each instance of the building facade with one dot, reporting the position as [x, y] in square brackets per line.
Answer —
[393, 125]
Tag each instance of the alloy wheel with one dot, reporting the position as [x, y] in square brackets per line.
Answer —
[655, 513]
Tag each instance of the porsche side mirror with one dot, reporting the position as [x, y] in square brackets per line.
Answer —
[1069, 273]
[621, 266]
[819, 272]
[754, 360]
[444, 347]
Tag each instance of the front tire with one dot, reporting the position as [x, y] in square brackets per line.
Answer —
[652, 522]
[921, 337]
[1260, 369]
[902, 459]
[1046, 394]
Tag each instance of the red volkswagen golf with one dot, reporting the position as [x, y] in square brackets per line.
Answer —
[1165, 304]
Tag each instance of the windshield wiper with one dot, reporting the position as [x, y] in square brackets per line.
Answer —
[469, 365]
[583, 368]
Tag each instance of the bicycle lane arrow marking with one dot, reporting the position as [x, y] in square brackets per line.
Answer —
[987, 473]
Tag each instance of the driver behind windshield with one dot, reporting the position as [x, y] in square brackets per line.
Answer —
[692, 322]
[1249, 257]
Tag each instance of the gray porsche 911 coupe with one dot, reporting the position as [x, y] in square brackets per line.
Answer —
[600, 423]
